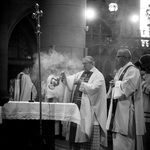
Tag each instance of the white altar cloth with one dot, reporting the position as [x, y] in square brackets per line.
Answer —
[23, 110]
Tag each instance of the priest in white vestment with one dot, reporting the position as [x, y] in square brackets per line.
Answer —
[87, 89]
[24, 89]
[126, 115]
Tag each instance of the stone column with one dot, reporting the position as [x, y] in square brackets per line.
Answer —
[63, 26]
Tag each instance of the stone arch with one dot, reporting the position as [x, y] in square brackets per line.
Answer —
[18, 19]
[22, 43]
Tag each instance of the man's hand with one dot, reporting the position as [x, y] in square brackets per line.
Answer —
[63, 77]
[77, 81]
[112, 83]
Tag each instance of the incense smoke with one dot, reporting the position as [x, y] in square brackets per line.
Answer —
[53, 62]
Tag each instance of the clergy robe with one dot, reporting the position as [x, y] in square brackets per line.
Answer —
[24, 88]
[128, 122]
[146, 96]
[93, 104]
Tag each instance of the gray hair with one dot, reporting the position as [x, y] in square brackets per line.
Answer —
[126, 53]
[89, 59]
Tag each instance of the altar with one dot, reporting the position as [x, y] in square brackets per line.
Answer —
[21, 124]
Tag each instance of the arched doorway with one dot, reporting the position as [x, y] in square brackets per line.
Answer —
[22, 45]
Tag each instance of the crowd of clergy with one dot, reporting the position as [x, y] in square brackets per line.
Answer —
[123, 108]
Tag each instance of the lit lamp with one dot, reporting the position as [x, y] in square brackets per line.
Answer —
[90, 16]
[113, 7]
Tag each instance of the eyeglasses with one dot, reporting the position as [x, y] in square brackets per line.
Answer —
[119, 56]
[84, 63]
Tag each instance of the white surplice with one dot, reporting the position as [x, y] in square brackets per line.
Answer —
[93, 104]
[24, 88]
[129, 115]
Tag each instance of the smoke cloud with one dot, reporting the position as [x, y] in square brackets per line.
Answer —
[53, 62]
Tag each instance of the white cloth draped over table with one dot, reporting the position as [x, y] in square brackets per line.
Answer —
[50, 111]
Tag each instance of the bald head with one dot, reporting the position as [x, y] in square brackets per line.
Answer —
[123, 57]
[126, 53]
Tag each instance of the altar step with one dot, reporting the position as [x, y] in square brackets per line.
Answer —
[61, 144]
[64, 145]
